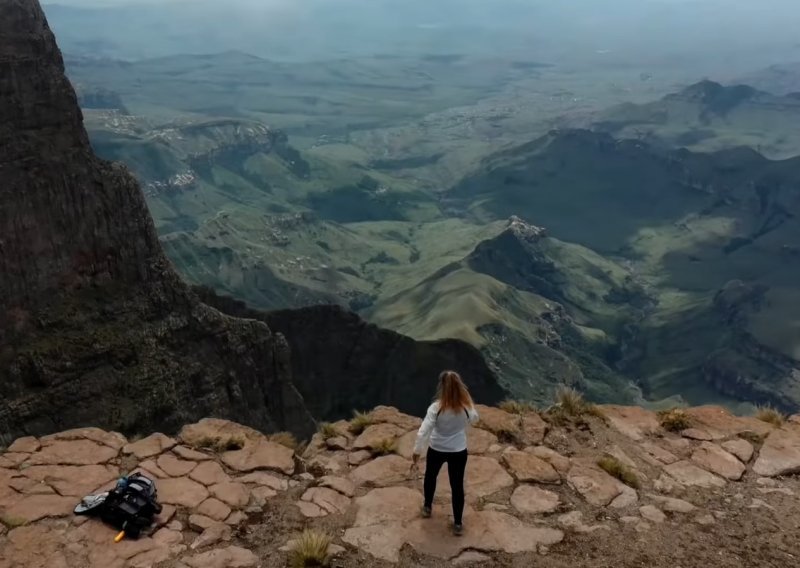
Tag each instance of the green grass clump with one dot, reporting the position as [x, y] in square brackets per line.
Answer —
[570, 401]
[220, 444]
[616, 468]
[284, 439]
[359, 422]
[770, 416]
[311, 549]
[516, 407]
[674, 420]
[327, 431]
[12, 522]
[384, 447]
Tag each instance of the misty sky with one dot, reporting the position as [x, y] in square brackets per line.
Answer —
[763, 31]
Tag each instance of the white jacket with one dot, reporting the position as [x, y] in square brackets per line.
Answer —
[447, 431]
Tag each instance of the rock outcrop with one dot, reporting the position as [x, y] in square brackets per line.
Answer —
[245, 507]
[95, 326]
[340, 362]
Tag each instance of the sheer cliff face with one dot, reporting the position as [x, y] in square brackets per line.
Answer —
[95, 327]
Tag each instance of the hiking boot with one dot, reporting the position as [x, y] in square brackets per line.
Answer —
[426, 512]
[458, 529]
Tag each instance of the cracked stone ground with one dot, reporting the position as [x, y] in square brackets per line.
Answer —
[721, 493]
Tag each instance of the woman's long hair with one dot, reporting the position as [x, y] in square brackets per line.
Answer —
[453, 394]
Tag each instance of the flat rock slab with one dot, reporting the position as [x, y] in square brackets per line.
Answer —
[72, 480]
[596, 486]
[214, 509]
[780, 454]
[262, 454]
[228, 557]
[496, 420]
[72, 452]
[720, 423]
[181, 491]
[328, 500]
[479, 441]
[525, 466]
[209, 473]
[113, 440]
[234, 494]
[26, 445]
[686, 473]
[532, 500]
[632, 421]
[483, 476]
[382, 472]
[265, 479]
[391, 415]
[560, 463]
[30, 508]
[716, 460]
[174, 466]
[656, 455]
[153, 445]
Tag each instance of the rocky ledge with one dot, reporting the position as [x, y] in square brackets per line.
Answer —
[721, 492]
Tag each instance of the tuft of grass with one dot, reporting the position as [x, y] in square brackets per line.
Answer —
[570, 401]
[384, 447]
[284, 439]
[12, 522]
[516, 406]
[770, 416]
[594, 410]
[311, 549]
[359, 422]
[616, 468]
[674, 420]
[327, 431]
[221, 444]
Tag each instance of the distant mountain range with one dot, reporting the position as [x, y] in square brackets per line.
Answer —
[708, 116]
[650, 257]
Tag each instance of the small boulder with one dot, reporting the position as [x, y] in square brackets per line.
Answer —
[652, 514]
[340, 484]
[376, 434]
[740, 448]
[686, 473]
[780, 455]
[716, 460]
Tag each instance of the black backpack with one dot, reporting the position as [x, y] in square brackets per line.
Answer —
[131, 506]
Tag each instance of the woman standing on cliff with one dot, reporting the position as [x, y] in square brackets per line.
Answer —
[445, 425]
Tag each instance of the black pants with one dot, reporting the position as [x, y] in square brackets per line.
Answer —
[456, 464]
